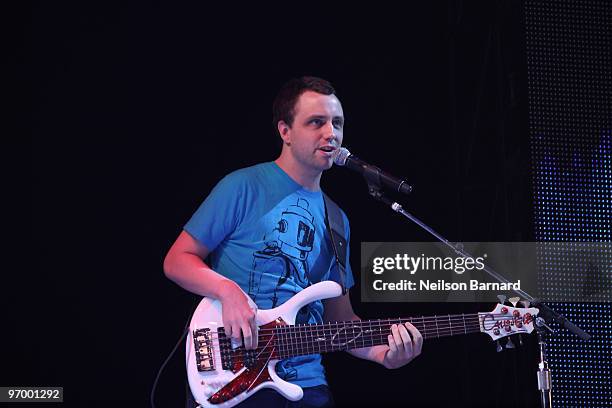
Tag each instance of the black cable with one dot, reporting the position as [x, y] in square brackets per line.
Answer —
[161, 369]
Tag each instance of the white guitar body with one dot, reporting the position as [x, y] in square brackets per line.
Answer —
[207, 315]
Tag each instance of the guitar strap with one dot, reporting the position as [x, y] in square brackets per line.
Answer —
[335, 229]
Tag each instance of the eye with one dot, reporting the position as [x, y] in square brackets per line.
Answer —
[317, 121]
[338, 124]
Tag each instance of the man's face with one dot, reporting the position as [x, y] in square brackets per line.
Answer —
[316, 132]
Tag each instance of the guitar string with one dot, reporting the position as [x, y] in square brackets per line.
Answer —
[302, 351]
[305, 337]
[443, 325]
[458, 321]
[430, 333]
[418, 320]
[304, 344]
[315, 328]
[306, 350]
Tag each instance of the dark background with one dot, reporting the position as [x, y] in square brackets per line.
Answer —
[137, 111]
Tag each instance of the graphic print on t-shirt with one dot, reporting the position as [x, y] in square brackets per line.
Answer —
[286, 251]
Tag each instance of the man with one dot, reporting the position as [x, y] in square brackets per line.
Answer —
[263, 229]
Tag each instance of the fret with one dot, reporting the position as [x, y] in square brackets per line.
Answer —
[334, 340]
[301, 339]
[285, 333]
[318, 337]
[300, 335]
[303, 345]
[331, 336]
[464, 328]
[348, 331]
[341, 335]
[308, 339]
[287, 339]
[371, 333]
[288, 348]
[322, 335]
[362, 335]
[450, 324]
[297, 339]
[326, 336]
[328, 343]
[437, 330]
[279, 342]
[312, 340]
[305, 341]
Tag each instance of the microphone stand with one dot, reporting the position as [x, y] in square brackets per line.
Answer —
[546, 315]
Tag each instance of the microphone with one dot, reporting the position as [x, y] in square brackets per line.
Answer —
[343, 157]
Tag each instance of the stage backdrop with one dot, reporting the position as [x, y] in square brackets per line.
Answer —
[570, 121]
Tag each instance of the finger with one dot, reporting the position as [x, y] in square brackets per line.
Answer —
[248, 337]
[255, 336]
[406, 340]
[397, 337]
[392, 346]
[255, 333]
[417, 338]
[236, 335]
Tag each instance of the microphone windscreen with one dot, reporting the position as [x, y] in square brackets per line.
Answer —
[340, 156]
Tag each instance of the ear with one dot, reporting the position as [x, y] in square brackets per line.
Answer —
[283, 131]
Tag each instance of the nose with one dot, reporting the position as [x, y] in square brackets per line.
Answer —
[330, 132]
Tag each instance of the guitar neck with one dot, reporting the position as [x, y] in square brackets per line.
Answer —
[306, 339]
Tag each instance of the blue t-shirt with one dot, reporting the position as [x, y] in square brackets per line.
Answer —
[267, 233]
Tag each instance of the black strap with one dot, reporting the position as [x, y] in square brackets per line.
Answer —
[335, 229]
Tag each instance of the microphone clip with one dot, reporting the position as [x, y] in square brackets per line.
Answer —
[371, 174]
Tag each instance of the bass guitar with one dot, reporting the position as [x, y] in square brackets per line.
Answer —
[222, 375]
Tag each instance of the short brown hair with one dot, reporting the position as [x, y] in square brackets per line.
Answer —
[283, 107]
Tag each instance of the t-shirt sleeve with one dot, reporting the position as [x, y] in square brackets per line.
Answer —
[220, 213]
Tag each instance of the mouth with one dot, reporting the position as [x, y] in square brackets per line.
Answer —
[328, 149]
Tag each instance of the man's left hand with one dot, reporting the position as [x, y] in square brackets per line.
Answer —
[405, 343]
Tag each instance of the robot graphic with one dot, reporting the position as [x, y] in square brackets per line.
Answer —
[286, 251]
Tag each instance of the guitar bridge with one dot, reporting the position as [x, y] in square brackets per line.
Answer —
[202, 340]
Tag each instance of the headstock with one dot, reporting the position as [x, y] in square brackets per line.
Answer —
[505, 321]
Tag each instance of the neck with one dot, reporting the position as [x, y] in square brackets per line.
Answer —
[307, 178]
[340, 336]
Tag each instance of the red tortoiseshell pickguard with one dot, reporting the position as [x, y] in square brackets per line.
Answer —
[253, 376]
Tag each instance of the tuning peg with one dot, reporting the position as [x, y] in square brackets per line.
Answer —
[525, 303]
[502, 298]
[499, 346]
[514, 300]
[510, 343]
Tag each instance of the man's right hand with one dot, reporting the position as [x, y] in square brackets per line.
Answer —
[238, 316]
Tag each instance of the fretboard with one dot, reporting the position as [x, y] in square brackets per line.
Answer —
[306, 339]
